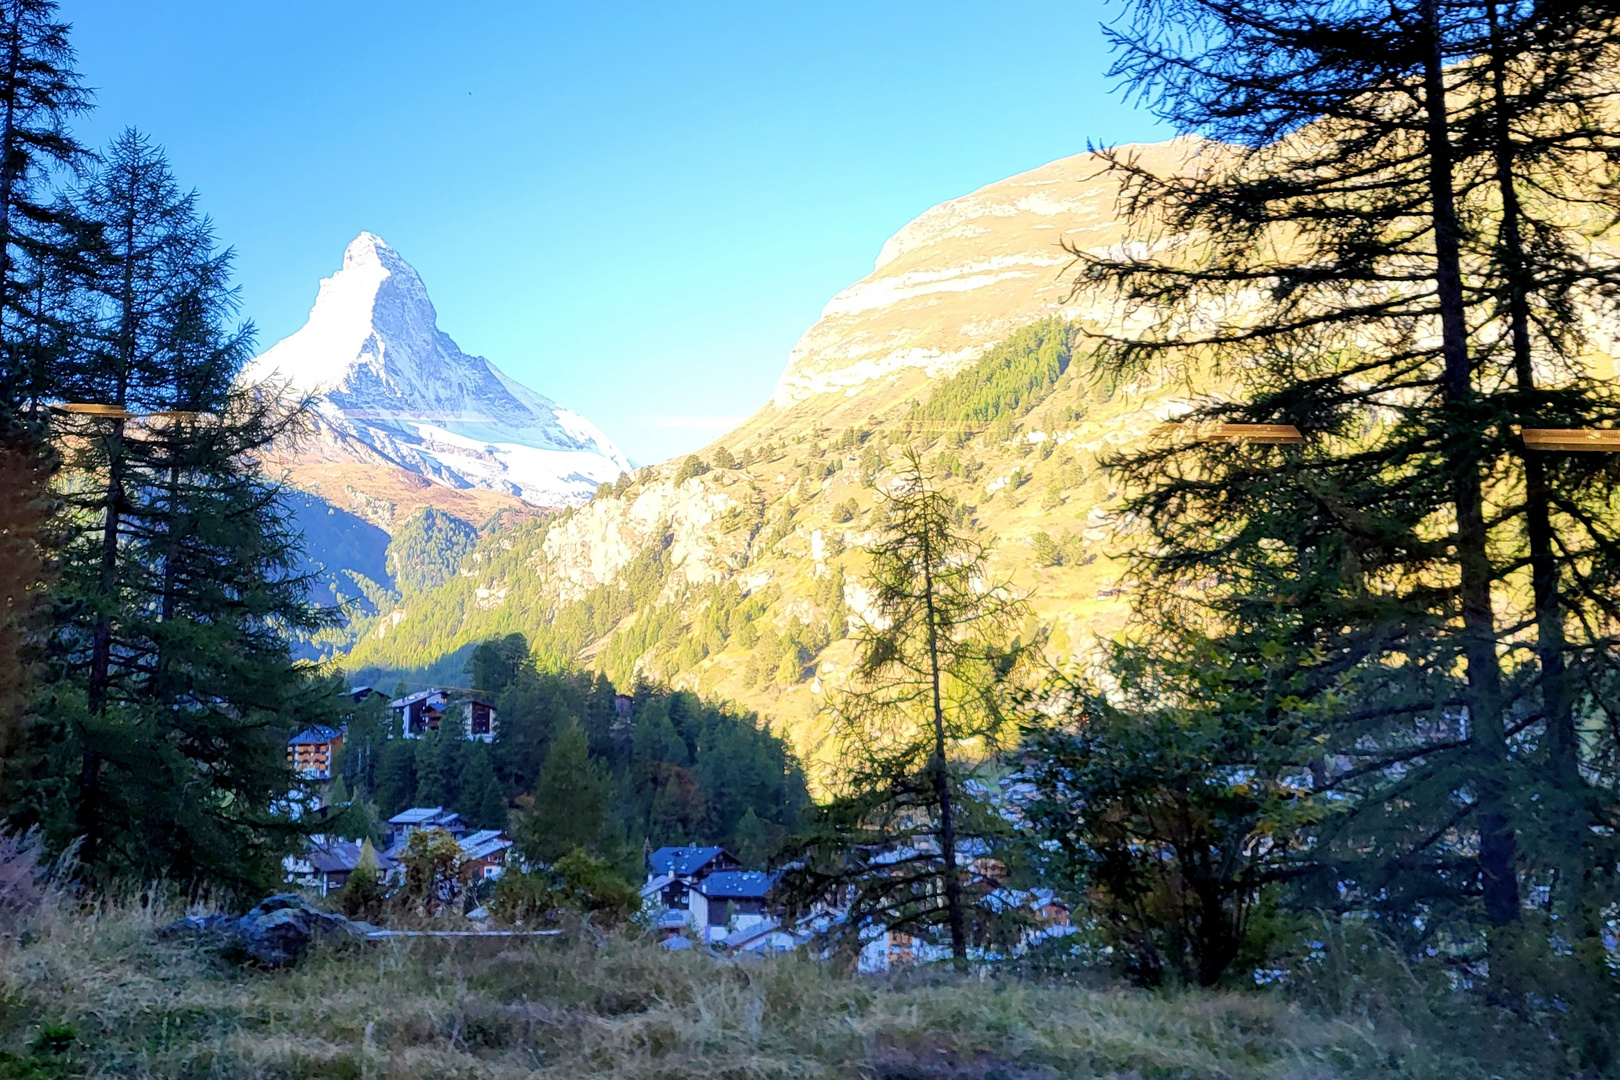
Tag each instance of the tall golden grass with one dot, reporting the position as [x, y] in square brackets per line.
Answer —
[143, 1005]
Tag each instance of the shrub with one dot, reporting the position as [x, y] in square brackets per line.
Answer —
[578, 882]
[432, 869]
[362, 895]
[1053, 551]
[692, 466]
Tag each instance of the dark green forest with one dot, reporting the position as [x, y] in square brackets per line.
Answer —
[671, 768]
[1005, 383]
[426, 548]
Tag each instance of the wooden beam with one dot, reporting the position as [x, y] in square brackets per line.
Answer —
[1266, 434]
[94, 408]
[1596, 440]
[1262, 434]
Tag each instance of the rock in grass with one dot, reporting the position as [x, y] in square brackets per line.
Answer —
[275, 933]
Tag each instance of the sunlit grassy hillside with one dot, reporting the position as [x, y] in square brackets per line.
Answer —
[736, 572]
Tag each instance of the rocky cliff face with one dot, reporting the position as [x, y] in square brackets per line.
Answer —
[962, 276]
[396, 395]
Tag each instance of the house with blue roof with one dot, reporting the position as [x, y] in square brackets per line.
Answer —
[729, 900]
[707, 888]
[689, 862]
[672, 871]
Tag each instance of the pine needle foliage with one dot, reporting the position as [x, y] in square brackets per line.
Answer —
[1385, 245]
[41, 238]
[169, 688]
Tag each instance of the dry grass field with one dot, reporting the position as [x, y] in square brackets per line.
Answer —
[103, 995]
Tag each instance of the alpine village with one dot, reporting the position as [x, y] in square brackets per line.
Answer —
[1164, 622]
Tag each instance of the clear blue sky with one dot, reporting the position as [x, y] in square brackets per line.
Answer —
[635, 208]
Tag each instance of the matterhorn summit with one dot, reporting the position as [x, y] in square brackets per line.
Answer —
[392, 387]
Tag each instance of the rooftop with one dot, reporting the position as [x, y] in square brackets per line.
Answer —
[735, 884]
[742, 938]
[341, 857]
[411, 699]
[421, 815]
[312, 736]
[484, 843]
[683, 860]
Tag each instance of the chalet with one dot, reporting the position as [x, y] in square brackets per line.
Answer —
[426, 710]
[672, 871]
[359, 695]
[312, 751]
[402, 824]
[478, 718]
[1050, 910]
[690, 863]
[483, 854]
[728, 900]
[326, 865]
[421, 712]
[706, 889]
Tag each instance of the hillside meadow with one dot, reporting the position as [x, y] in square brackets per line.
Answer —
[738, 572]
[102, 994]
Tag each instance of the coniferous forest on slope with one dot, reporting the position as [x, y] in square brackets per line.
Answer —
[1220, 681]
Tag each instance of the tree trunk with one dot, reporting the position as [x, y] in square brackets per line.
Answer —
[1498, 854]
[941, 775]
[1557, 698]
[101, 637]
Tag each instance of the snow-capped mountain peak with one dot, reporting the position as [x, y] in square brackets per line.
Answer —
[388, 377]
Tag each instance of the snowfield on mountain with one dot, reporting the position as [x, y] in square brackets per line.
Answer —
[394, 389]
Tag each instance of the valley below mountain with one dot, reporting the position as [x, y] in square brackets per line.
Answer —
[736, 571]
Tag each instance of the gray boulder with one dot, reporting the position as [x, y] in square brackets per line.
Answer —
[275, 933]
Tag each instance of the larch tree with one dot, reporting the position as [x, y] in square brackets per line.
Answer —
[937, 653]
[40, 93]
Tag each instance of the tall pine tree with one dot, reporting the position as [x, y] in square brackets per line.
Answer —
[161, 734]
[1388, 247]
[40, 92]
[923, 708]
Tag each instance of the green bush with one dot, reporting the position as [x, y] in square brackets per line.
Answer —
[362, 895]
[432, 870]
[1066, 550]
[577, 883]
[692, 466]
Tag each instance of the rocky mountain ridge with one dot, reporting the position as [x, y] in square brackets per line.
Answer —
[961, 277]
